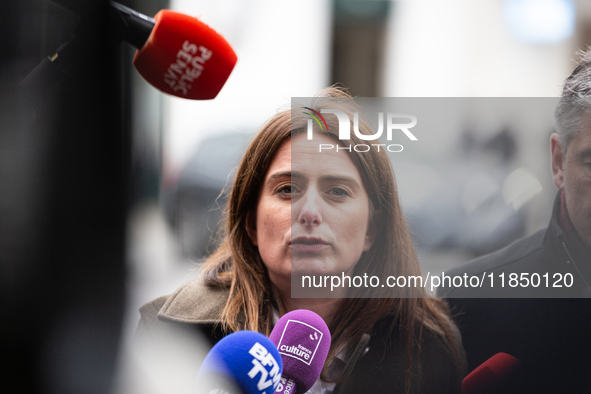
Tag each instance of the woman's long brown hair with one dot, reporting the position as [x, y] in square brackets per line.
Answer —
[237, 264]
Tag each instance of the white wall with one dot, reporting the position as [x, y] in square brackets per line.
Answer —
[464, 48]
[283, 51]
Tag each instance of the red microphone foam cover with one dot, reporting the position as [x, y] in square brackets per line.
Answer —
[490, 375]
[184, 57]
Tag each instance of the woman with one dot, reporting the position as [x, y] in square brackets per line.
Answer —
[294, 211]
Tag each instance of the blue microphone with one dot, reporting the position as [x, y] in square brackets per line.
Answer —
[243, 362]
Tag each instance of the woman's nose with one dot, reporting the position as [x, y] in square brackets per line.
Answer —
[309, 214]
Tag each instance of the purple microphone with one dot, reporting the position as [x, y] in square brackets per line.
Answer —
[303, 340]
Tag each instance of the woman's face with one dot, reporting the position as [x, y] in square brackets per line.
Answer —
[312, 215]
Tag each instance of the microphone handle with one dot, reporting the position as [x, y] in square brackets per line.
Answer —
[131, 26]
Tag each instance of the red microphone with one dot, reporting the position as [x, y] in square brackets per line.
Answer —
[184, 57]
[178, 54]
[492, 375]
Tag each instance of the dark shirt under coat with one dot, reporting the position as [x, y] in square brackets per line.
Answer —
[550, 335]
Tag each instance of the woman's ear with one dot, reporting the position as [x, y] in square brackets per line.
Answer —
[370, 236]
[251, 228]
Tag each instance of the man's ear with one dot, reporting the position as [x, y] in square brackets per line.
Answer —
[370, 236]
[251, 227]
[557, 160]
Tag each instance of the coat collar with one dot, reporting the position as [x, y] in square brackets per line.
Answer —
[195, 303]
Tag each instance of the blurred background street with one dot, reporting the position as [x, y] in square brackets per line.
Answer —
[475, 184]
[376, 48]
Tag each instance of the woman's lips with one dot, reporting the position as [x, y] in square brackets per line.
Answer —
[308, 244]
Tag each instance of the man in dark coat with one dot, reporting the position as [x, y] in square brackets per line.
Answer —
[547, 327]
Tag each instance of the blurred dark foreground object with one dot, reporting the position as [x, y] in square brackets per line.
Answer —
[63, 151]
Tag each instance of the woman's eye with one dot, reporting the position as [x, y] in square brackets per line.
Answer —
[286, 190]
[339, 192]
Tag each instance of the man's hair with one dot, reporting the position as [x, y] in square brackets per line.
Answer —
[575, 101]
